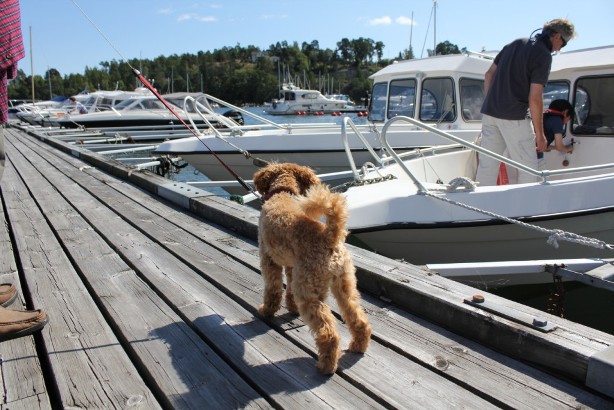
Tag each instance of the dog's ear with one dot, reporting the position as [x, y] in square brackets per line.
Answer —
[262, 180]
[305, 177]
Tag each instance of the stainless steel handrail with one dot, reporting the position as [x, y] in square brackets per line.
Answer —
[382, 159]
[543, 174]
[347, 121]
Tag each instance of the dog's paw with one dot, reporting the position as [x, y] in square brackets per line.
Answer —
[291, 306]
[326, 366]
[266, 311]
[359, 345]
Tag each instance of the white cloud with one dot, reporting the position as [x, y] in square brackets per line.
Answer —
[184, 17]
[378, 21]
[165, 11]
[206, 19]
[187, 16]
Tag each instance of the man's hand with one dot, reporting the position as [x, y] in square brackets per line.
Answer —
[541, 143]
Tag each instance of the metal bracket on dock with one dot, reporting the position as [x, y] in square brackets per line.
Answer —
[180, 193]
[535, 322]
[601, 277]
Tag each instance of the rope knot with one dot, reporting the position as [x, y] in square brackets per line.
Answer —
[555, 235]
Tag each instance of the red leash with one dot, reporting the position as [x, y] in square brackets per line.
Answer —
[171, 109]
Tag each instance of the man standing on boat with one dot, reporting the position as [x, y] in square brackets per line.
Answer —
[513, 104]
[13, 323]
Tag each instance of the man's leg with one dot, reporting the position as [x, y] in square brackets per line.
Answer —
[520, 140]
[492, 140]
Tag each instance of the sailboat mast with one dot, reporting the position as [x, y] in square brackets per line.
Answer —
[435, 27]
[49, 81]
[411, 34]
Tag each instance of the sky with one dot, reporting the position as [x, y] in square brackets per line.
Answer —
[70, 35]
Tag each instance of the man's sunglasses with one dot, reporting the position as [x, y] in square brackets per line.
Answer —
[564, 41]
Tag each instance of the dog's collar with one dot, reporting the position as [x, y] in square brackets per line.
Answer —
[275, 191]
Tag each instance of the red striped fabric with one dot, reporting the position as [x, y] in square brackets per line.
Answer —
[11, 49]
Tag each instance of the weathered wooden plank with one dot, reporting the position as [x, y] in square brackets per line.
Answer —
[336, 390]
[21, 374]
[565, 350]
[426, 387]
[86, 357]
[180, 364]
[476, 366]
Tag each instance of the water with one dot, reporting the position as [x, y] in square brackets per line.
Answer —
[582, 304]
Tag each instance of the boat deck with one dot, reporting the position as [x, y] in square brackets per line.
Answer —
[153, 305]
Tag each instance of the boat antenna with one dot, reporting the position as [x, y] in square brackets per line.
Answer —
[427, 30]
[147, 85]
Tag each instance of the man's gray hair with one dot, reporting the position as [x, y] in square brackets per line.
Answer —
[563, 26]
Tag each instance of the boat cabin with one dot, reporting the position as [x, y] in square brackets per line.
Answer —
[104, 100]
[443, 89]
[587, 76]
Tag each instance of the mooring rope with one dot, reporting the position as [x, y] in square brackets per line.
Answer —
[554, 235]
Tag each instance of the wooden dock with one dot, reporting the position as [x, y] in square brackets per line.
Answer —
[151, 288]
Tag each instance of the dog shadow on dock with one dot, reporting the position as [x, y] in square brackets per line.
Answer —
[215, 353]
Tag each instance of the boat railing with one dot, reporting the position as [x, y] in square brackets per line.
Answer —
[544, 174]
[347, 122]
[381, 158]
[202, 107]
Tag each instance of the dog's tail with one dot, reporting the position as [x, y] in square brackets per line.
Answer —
[318, 202]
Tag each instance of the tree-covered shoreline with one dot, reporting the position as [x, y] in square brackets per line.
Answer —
[239, 75]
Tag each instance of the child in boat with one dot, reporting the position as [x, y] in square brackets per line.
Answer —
[555, 119]
[78, 107]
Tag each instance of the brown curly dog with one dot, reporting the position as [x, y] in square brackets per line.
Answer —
[292, 236]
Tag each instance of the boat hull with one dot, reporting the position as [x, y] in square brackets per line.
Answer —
[321, 150]
[484, 242]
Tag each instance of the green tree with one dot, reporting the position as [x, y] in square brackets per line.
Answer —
[445, 48]
[238, 74]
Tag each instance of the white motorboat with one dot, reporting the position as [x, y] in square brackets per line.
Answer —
[428, 210]
[143, 112]
[100, 100]
[444, 91]
[34, 113]
[297, 101]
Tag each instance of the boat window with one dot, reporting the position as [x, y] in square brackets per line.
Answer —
[124, 104]
[310, 96]
[289, 96]
[555, 90]
[437, 102]
[152, 104]
[593, 102]
[104, 104]
[377, 105]
[402, 99]
[471, 98]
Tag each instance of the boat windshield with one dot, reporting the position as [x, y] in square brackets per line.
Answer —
[140, 104]
[555, 90]
[377, 106]
[402, 98]
[471, 98]
[437, 101]
[122, 105]
[593, 103]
